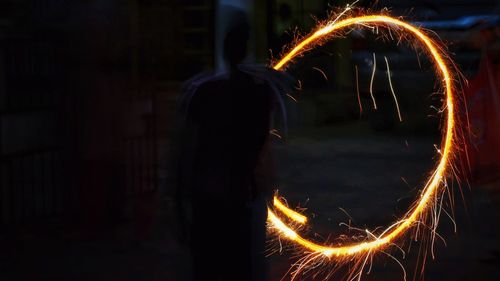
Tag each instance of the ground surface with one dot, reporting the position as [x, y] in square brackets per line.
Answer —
[320, 169]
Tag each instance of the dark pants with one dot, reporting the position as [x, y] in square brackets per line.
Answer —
[228, 241]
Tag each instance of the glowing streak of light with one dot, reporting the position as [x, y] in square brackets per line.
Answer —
[291, 97]
[299, 86]
[392, 89]
[357, 90]
[371, 81]
[399, 263]
[274, 132]
[322, 72]
[288, 212]
[346, 213]
[432, 185]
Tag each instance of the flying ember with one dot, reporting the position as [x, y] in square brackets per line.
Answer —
[288, 223]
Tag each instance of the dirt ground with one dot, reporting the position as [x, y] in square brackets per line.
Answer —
[373, 179]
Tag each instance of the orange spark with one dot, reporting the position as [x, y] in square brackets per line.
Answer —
[432, 185]
[288, 212]
[291, 97]
[392, 89]
[321, 71]
[275, 133]
[357, 91]
[371, 81]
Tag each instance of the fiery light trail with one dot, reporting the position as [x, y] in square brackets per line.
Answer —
[291, 97]
[432, 185]
[392, 89]
[275, 133]
[289, 212]
[321, 71]
[371, 81]
[357, 91]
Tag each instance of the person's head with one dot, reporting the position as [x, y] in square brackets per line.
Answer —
[236, 40]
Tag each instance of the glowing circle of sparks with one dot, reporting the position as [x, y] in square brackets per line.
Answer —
[433, 183]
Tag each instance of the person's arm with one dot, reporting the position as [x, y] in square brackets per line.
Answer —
[185, 161]
[265, 171]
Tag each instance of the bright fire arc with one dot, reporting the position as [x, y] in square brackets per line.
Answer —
[432, 185]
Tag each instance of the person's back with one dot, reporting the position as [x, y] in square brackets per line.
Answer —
[230, 118]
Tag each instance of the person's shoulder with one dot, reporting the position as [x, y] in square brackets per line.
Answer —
[210, 84]
[258, 75]
[263, 86]
[209, 87]
[261, 82]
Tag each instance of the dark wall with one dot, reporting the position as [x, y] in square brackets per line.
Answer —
[77, 121]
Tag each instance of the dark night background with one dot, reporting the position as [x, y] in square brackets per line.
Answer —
[88, 100]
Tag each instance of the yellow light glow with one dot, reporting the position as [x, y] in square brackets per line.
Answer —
[432, 185]
[288, 212]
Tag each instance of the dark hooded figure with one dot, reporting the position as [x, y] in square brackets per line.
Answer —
[229, 118]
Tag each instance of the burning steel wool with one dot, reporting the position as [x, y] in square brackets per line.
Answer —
[424, 215]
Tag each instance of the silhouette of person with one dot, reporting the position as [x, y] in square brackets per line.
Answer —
[230, 120]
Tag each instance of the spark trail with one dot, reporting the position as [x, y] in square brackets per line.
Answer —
[392, 89]
[357, 253]
[371, 81]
